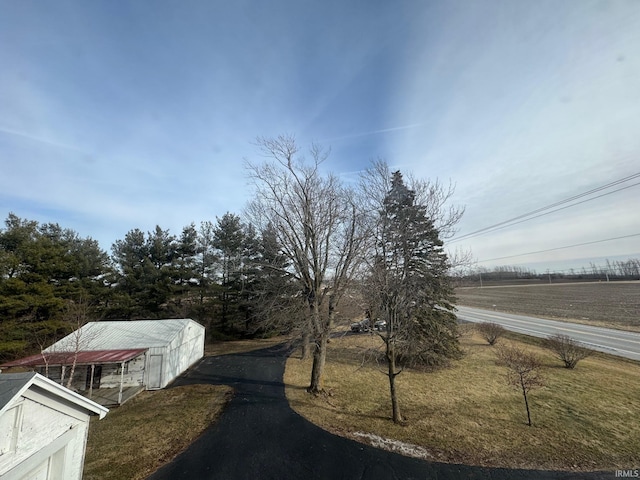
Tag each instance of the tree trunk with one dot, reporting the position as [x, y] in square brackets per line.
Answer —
[224, 307]
[526, 403]
[319, 357]
[306, 342]
[71, 373]
[320, 353]
[395, 406]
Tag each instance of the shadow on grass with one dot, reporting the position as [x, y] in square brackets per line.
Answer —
[294, 387]
[336, 410]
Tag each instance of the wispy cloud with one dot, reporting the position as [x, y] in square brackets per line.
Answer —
[34, 138]
[372, 132]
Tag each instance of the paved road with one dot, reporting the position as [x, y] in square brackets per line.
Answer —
[259, 437]
[616, 342]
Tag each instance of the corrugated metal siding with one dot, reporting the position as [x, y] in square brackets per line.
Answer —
[82, 358]
[180, 354]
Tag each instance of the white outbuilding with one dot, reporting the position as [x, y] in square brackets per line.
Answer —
[171, 346]
[43, 428]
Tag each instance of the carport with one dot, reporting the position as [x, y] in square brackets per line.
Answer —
[106, 376]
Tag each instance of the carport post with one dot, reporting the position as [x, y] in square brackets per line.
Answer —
[121, 383]
[93, 367]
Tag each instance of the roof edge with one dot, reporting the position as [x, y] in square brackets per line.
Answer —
[91, 407]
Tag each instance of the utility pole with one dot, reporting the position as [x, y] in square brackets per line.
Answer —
[480, 279]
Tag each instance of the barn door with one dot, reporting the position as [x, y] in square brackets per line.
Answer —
[155, 371]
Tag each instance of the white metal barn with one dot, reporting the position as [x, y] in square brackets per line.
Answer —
[171, 346]
[43, 428]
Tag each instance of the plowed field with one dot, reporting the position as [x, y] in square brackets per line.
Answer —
[610, 304]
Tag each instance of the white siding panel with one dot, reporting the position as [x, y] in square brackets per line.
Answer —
[41, 426]
[133, 376]
[186, 349]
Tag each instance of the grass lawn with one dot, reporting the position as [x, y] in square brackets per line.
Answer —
[584, 419]
[134, 440]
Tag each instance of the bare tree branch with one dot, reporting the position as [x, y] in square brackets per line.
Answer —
[318, 228]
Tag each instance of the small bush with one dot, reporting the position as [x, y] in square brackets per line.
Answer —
[491, 332]
[567, 349]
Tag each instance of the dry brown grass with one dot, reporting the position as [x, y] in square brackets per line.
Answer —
[586, 419]
[134, 440]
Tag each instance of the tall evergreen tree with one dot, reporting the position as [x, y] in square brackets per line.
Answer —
[145, 267]
[228, 240]
[43, 267]
[206, 261]
[185, 265]
[162, 248]
[409, 288]
[273, 303]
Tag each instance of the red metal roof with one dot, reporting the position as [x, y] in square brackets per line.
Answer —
[84, 358]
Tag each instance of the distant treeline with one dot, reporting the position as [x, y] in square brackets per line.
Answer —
[51, 278]
[616, 270]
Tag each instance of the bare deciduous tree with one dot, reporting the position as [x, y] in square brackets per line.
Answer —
[65, 353]
[523, 371]
[318, 228]
[567, 349]
[490, 331]
[77, 315]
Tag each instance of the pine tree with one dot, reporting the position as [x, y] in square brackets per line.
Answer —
[409, 287]
[228, 240]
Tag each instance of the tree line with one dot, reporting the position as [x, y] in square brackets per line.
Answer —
[209, 272]
[611, 270]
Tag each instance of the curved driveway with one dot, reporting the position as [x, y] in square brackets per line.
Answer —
[260, 437]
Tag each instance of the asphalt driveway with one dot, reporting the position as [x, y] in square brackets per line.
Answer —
[259, 436]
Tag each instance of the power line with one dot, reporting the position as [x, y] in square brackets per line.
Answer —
[556, 210]
[542, 210]
[560, 248]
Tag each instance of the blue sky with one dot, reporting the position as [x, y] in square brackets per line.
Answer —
[117, 115]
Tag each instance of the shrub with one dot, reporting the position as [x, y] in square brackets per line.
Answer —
[567, 349]
[491, 332]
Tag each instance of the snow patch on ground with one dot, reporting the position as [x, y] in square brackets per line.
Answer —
[395, 446]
